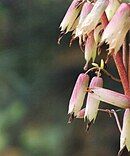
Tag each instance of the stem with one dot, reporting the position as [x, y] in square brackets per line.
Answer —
[105, 71]
[122, 72]
[115, 115]
[125, 54]
[104, 20]
[117, 119]
[111, 76]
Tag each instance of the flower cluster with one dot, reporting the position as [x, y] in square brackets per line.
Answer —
[94, 23]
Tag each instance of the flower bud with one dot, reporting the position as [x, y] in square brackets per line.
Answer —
[92, 104]
[92, 19]
[125, 133]
[78, 94]
[115, 32]
[111, 97]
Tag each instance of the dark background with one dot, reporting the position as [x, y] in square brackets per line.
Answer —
[36, 79]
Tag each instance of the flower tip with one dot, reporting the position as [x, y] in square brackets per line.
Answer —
[123, 151]
[71, 118]
[89, 125]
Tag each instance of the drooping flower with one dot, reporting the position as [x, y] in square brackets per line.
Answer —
[112, 8]
[93, 18]
[91, 45]
[71, 18]
[111, 97]
[116, 30]
[125, 133]
[92, 104]
[87, 7]
[78, 94]
[90, 48]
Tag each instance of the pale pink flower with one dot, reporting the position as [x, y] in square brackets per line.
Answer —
[87, 7]
[125, 133]
[78, 94]
[90, 48]
[92, 104]
[112, 8]
[111, 97]
[93, 18]
[116, 30]
[70, 20]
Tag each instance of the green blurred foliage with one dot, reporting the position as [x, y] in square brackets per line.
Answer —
[36, 80]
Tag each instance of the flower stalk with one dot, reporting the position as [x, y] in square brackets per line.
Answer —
[94, 23]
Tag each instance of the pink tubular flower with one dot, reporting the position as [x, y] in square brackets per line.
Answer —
[87, 7]
[111, 9]
[78, 94]
[111, 97]
[90, 48]
[92, 104]
[92, 19]
[116, 30]
[125, 133]
[70, 20]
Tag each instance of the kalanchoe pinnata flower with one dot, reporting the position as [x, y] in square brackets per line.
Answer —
[93, 18]
[71, 18]
[112, 8]
[111, 97]
[90, 48]
[91, 45]
[87, 7]
[78, 94]
[125, 133]
[116, 30]
[92, 104]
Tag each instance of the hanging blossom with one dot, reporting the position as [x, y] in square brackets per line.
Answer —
[78, 94]
[112, 8]
[90, 48]
[92, 104]
[116, 30]
[86, 9]
[71, 18]
[94, 23]
[90, 41]
[93, 18]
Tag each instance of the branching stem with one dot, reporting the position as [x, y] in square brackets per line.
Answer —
[105, 71]
[110, 112]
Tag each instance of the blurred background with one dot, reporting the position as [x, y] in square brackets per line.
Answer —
[36, 80]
